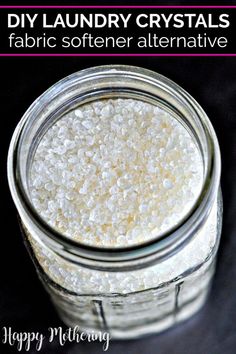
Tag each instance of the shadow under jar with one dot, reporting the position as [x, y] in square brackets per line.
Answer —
[133, 288]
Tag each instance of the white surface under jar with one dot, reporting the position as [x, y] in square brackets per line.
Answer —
[139, 288]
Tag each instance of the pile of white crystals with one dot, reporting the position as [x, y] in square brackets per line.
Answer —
[83, 280]
[115, 172]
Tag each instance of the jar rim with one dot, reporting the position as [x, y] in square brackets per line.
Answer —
[151, 250]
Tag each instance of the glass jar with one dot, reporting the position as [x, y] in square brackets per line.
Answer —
[133, 290]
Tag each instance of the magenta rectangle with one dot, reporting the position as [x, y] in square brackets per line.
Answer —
[117, 7]
[117, 55]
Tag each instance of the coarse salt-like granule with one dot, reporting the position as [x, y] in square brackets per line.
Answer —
[115, 172]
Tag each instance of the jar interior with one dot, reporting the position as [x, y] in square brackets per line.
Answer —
[78, 102]
[65, 97]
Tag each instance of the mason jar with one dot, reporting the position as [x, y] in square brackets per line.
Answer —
[134, 290]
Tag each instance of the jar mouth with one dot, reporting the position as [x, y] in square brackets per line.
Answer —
[99, 81]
